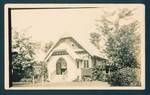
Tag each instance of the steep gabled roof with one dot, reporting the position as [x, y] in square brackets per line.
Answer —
[89, 47]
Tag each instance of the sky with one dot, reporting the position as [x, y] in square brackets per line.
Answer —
[45, 25]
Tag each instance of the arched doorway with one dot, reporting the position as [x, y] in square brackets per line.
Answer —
[61, 66]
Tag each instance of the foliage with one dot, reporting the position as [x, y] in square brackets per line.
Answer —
[99, 72]
[95, 39]
[44, 71]
[99, 75]
[124, 77]
[122, 45]
[22, 56]
[26, 80]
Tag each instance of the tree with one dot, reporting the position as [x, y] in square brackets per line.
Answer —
[23, 52]
[122, 42]
[95, 39]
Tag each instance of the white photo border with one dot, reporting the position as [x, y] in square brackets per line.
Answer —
[26, 6]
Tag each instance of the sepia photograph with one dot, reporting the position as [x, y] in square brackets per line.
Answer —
[74, 46]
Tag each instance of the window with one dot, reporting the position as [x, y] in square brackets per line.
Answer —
[61, 67]
[86, 64]
[61, 52]
[77, 63]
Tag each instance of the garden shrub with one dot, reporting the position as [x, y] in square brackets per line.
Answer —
[124, 77]
[99, 74]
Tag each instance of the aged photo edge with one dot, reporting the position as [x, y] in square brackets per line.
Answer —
[6, 56]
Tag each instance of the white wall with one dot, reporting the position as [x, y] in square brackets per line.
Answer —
[72, 71]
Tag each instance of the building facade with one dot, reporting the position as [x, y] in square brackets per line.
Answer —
[72, 60]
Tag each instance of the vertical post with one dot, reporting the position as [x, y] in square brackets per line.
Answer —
[33, 81]
[42, 80]
[43, 74]
[109, 72]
